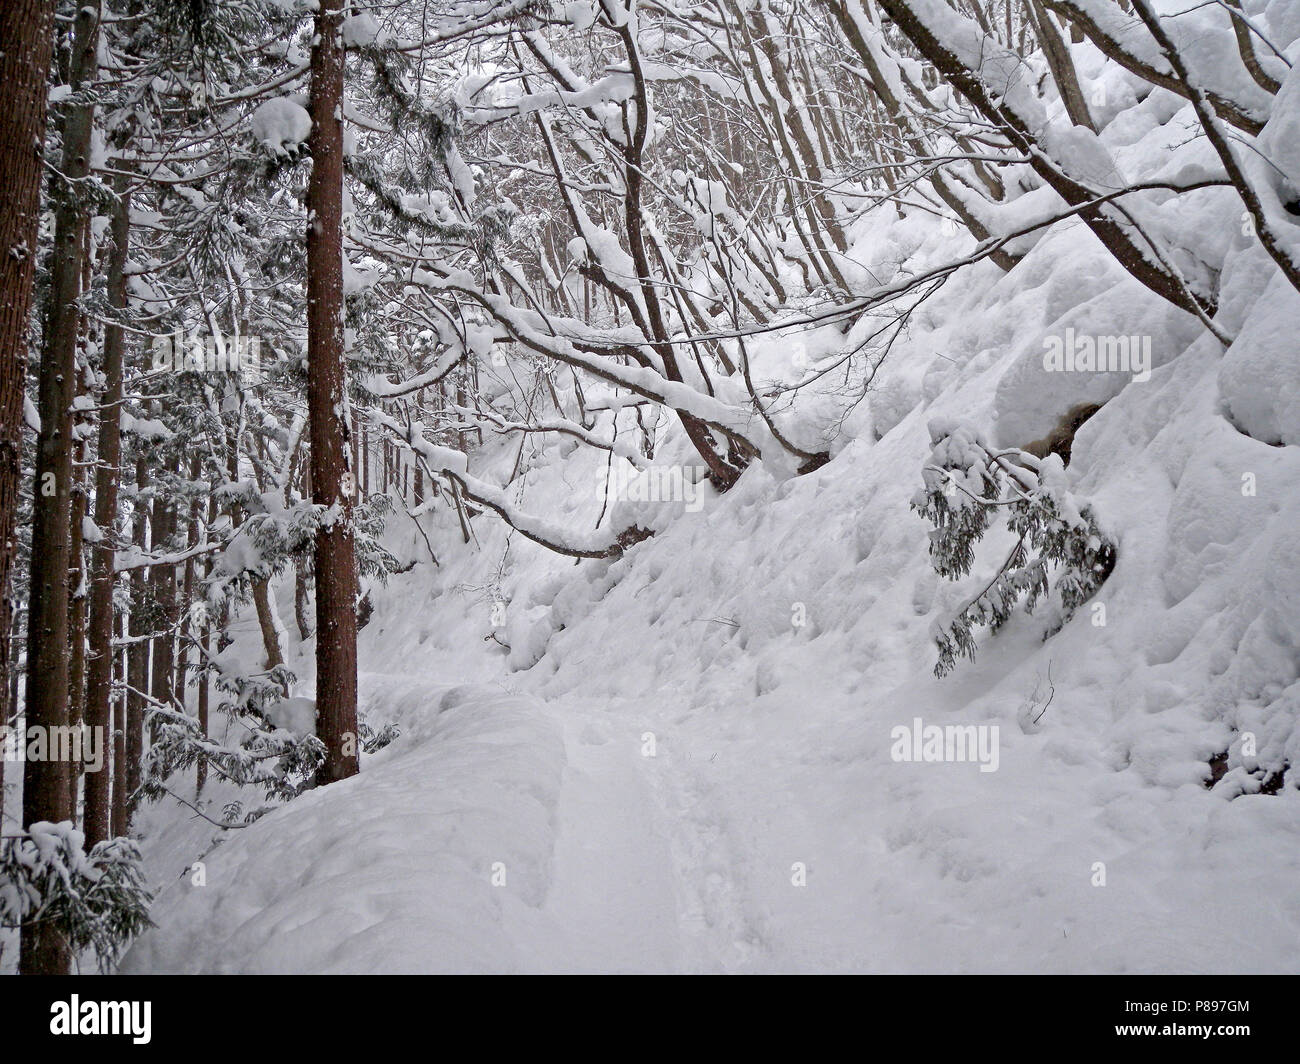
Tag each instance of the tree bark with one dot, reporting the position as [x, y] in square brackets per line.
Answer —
[99, 668]
[1061, 64]
[162, 591]
[1246, 47]
[205, 638]
[137, 668]
[301, 599]
[76, 612]
[27, 30]
[336, 619]
[266, 620]
[187, 619]
[117, 717]
[45, 783]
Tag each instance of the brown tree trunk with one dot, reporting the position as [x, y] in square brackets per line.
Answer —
[137, 668]
[118, 720]
[99, 672]
[187, 620]
[266, 620]
[205, 642]
[1246, 47]
[45, 787]
[9, 715]
[27, 30]
[336, 618]
[78, 583]
[201, 772]
[76, 614]
[162, 590]
[1062, 66]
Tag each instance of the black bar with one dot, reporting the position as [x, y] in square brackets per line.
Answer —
[1033, 1013]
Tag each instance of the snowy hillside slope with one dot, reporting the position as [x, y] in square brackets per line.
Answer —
[676, 775]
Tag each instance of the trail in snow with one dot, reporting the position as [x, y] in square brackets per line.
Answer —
[499, 833]
[613, 897]
[613, 860]
[655, 867]
[680, 862]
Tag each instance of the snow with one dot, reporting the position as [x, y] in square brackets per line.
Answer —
[362, 30]
[1258, 379]
[297, 715]
[409, 889]
[684, 758]
[281, 125]
[580, 14]
[771, 741]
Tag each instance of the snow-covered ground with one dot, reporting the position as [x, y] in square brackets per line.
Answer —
[684, 761]
[686, 780]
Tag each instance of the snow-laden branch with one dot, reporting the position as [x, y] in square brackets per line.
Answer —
[563, 426]
[1270, 222]
[1117, 35]
[996, 80]
[580, 346]
[454, 465]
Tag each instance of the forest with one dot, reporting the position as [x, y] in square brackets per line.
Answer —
[649, 486]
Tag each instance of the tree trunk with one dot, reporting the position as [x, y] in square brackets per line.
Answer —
[301, 599]
[1062, 66]
[76, 614]
[336, 619]
[27, 30]
[205, 637]
[118, 720]
[137, 668]
[45, 787]
[99, 668]
[201, 772]
[268, 622]
[162, 590]
[78, 584]
[187, 619]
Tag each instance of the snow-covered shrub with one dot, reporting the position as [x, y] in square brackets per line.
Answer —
[280, 762]
[274, 534]
[967, 484]
[373, 741]
[95, 900]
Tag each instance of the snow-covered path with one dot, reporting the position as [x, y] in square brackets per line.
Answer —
[500, 833]
[653, 871]
[686, 849]
[612, 903]
[508, 833]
